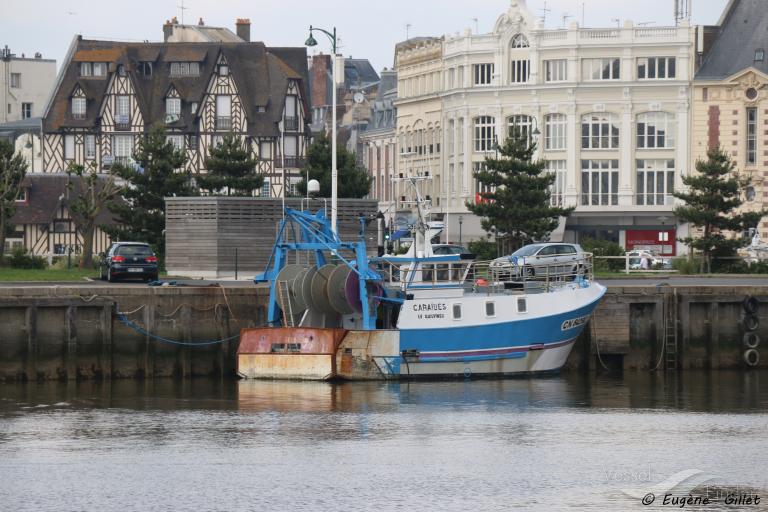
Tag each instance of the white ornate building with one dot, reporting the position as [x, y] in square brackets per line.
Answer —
[610, 109]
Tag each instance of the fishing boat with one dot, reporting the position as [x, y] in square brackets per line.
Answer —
[338, 312]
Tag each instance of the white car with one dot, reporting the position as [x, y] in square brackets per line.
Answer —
[636, 260]
[543, 259]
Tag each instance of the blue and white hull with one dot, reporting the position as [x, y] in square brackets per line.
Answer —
[537, 339]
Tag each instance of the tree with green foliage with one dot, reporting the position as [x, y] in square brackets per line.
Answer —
[157, 174]
[713, 197]
[602, 248]
[517, 206]
[13, 168]
[231, 169]
[90, 193]
[353, 180]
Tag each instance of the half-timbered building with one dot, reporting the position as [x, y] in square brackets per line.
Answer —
[110, 93]
[43, 223]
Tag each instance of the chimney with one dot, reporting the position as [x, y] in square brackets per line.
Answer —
[167, 31]
[243, 27]
[200, 22]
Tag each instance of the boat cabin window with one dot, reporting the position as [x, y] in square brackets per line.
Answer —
[522, 306]
[490, 309]
[457, 311]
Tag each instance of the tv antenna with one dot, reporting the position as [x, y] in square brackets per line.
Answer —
[477, 29]
[408, 31]
[617, 21]
[544, 12]
[565, 17]
[182, 8]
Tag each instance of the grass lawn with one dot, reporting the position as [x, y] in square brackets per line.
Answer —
[18, 274]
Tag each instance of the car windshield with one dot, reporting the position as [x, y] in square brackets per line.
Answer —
[528, 250]
[134, 250]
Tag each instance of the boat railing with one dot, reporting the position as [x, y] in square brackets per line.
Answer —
[518, 276]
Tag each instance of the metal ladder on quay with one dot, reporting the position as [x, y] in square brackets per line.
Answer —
[284, 299]
[670, 332]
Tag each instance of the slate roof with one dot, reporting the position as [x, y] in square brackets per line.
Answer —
[260, 73]
[743, 29]
[45, 194]
[359, 72]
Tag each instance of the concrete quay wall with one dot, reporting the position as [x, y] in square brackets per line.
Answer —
[74, 331]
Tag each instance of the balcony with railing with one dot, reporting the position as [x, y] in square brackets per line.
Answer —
[78, 115]
[223, 123]
[121, 160]
[291, 124]
[122, 123]
[291, 162]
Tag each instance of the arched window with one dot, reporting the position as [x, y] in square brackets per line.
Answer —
[599, 131]
[521, 124]
[656, 130]
[519, 41]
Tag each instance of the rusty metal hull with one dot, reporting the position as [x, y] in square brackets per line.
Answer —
[289, 353]
[318, 354]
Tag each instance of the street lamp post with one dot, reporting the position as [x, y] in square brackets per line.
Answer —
[311, 41]
[461, 221]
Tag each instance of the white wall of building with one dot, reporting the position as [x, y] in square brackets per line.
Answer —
[35, 81]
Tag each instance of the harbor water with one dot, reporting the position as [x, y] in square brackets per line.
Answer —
[581, 442]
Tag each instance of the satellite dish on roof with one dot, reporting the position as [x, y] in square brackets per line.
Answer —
[313, 187]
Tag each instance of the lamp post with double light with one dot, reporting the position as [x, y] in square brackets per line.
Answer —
[311, 41]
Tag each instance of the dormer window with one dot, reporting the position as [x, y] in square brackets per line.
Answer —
[145, 69]
[121, 70]
[759, 55]
[223, 70]
[78, 108]
[93, 69]
[193, 107]
[22, 197]
[185, 69]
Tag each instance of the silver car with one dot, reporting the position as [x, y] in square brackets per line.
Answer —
[545, 259]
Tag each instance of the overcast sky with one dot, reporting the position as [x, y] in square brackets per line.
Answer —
[367, 29]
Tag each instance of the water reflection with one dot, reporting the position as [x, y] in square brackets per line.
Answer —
[553, 444]
[693, 391]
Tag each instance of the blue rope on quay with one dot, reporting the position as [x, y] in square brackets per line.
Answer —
[139, 329]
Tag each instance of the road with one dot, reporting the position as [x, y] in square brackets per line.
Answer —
[758, 280]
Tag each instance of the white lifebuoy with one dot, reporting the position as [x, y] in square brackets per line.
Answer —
[751, 340]
[752, 357]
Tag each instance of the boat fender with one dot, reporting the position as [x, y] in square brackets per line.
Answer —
[750, 323]
[751, 305]
[752, 357]
[751, 340]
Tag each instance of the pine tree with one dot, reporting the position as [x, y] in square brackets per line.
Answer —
[517, 207]
[156, 175]
[13, 168]
[714, 194]
[91, 195]
[353, 181]
[230, 168]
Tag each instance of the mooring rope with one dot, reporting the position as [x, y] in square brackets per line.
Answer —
[143, 331]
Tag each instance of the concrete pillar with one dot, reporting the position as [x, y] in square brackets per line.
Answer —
[148, 359]
[30, 326]
[573, 145]
[105, 324]
[70, 326]
[626, 165]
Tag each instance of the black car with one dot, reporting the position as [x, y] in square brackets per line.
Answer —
[125, 260]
